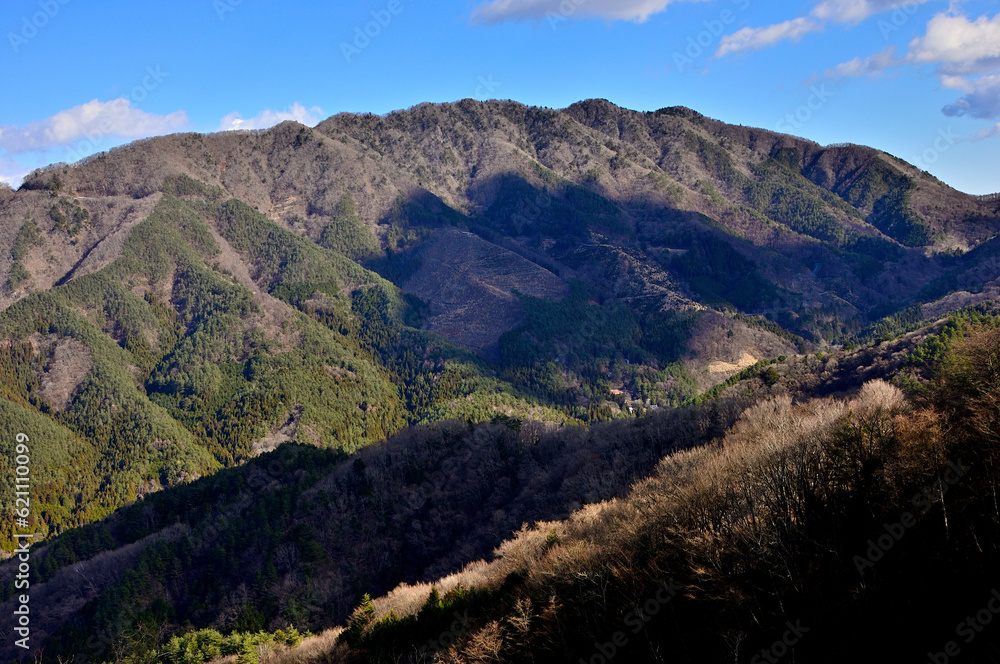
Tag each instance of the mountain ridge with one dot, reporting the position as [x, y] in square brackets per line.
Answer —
[529, 286]
[596, 259]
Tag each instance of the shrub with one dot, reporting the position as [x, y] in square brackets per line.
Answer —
[19, 275]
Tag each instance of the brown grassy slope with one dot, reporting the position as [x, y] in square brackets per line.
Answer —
[62, 253]
[758, 532]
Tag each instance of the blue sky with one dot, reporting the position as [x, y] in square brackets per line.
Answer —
[920, 79]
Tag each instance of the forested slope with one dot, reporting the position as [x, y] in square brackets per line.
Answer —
[565, 295]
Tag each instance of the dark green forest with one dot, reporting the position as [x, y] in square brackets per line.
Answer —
[606, 385]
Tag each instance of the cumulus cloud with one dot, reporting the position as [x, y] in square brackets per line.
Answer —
[958, 45]
[825, 11]
[12, 173]
[967, 57]
[982, 98]
[93, 120]
[957, 83]
[859, 67]
[965, 54]
[498, 11]
[268, 118]
[749, 39]
[13, 181]
[855, 11]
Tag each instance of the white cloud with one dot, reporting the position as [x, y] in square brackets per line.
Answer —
[12, 173]
[964, 52]
[958, 45]
[268, 118]
[957, 83]
[94, 121]
[749, 39]
[13, 181]
[859, 67]
[989, 132]
[855, 11]
[981, 100]
[825, 11]
[966, 56]
[498, 11]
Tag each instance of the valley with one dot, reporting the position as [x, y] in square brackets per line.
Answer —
[537, 360]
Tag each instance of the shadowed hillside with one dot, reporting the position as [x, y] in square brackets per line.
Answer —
[558, 297]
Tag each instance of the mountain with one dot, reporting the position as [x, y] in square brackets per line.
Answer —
[816, 530]
[226, 327]
[761, 513]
